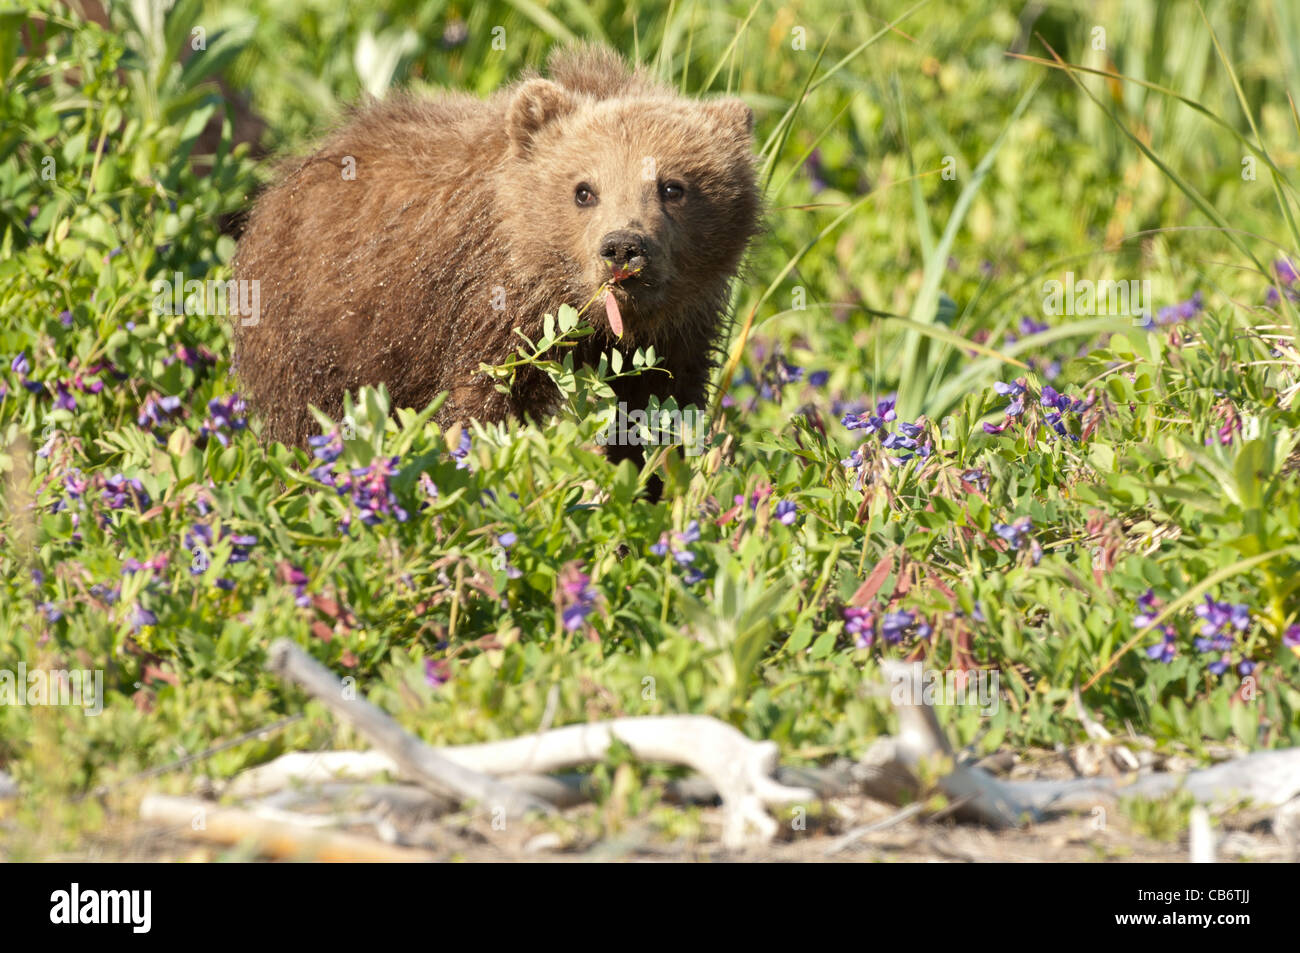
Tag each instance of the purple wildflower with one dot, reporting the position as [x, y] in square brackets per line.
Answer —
[461, 453]
[108, 594]
[75, 484]
[998, 428]
[63, 397]
[240, 548]
[155, 566]
[787, 373]
[191, 357]
[85, 386]
[140, 617]
[1291, 638]
[326, 447]
[156, 410]
[119, 491]
[1164, 650]
[224, 417]
[1182, 311]
[295, 576]
[897, 441]
[428, 490]
[436, 672]
[861, 624]
[895, 624]
[371, 491]
[1216, 616]
[1014, 533]
[761, 492]
[1220, 621]
[868, 422]
[577, 597]
[786, 512]
[1147, 603]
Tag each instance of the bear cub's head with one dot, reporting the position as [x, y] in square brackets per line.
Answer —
[642, 191]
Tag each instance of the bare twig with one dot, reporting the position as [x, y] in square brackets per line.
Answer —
[415, 759]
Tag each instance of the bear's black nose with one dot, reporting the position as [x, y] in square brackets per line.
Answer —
[623, 249]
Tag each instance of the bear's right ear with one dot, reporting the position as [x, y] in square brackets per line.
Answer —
[732, 115]
[536, 103]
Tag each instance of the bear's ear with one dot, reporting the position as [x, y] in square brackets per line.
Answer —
[732, 115]
[536, 103]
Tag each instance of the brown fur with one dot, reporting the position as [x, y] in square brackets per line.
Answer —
[391, 277]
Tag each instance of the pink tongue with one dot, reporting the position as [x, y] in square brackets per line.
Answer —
[612, 312]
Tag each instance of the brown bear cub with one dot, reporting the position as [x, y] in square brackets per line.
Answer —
[411, 243]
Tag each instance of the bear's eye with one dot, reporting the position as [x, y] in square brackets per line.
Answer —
[672, 191]
[584, 195]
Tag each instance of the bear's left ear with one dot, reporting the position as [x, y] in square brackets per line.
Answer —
[536, 103]
[732, 115]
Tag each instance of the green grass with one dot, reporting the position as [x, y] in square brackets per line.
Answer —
[923, 183]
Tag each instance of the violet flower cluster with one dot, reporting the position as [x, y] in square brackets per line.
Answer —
[680, 550]
[894, 627]
[578, 597]
[369, 487]
[1221, 625]
[904, 438]
[1055, 408]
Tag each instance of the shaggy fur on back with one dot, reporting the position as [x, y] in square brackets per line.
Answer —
[466, 218]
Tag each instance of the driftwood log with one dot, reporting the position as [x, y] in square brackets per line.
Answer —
[416, 760]
[742, 773]
[739, 770]
[281, 837]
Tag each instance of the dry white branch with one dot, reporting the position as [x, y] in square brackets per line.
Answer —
[921, 746]
[417, 761]
[744, 773]
[740, 770]
[314, 769]
[311, 768]
[1263, 778]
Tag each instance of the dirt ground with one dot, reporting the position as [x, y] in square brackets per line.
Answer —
[1068, 839]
